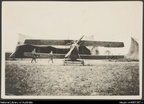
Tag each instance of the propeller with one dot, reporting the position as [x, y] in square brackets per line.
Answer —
[73, 46]
[79, 40]
[69, 52]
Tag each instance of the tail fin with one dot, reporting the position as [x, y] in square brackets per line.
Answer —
[21, 41]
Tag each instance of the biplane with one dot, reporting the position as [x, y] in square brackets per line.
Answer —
[69, 50]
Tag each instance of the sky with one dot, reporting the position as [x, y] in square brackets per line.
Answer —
[106, 21]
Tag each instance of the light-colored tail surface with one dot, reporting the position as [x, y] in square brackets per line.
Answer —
[134, 50]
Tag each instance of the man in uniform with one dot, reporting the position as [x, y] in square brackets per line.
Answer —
[51, 57]
[33, 56]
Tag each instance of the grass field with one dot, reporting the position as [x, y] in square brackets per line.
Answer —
[94, 79]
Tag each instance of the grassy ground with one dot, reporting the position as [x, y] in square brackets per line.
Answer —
[95, 78]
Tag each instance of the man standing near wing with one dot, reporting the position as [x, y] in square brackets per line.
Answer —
[51, 57]
[33, 56]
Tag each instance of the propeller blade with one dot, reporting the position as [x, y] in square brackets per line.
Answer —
[79, 40]
[69, 52]
[73, 47]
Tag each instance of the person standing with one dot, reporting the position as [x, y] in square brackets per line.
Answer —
[51, 57]
[34, 56]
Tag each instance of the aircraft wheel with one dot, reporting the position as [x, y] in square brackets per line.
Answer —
[83, 62]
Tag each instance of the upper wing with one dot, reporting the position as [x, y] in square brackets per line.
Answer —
[47, 42]
[102, 43]
[65, 42]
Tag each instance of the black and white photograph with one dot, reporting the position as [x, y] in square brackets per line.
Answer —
[71, 50]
